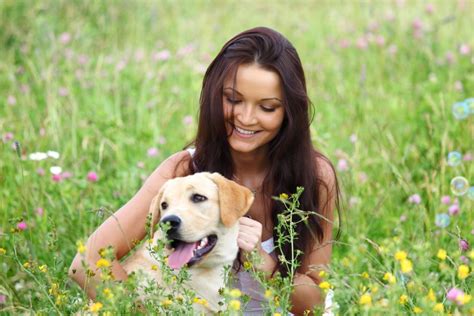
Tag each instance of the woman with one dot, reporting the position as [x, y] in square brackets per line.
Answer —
[253, 128]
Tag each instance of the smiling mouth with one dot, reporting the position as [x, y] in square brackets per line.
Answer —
[244, 131]
[190, 253]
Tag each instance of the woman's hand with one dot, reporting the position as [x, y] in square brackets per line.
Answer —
[250, 234]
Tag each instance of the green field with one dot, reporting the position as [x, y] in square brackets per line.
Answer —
[113, 87]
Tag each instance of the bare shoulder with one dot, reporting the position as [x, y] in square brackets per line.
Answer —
[326, 171]
[174, 166]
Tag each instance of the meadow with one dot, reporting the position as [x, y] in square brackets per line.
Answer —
[95, 94]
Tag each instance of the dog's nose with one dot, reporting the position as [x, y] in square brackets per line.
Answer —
[174, 222]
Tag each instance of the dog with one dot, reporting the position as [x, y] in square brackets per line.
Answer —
[202, 212]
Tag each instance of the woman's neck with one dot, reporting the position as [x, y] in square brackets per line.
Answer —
[250, 168]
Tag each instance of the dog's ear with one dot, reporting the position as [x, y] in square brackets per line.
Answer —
[234, 199]
[154, 209]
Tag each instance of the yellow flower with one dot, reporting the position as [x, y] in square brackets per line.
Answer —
[60, 299]
[108, 293]
[102, 263]
[154, 267]
[390, 278]
[417, 310]
[2, 251]
[54, 289]
[471, 254]
[26, 265]
[276, 314]
[268, 293]
[406, 265]
[166, 302]
[463, 271]
[365, 299]
[235, 293]
[365, 275]
[247, 265]
[325, 285]
[374, 288]
[234, 305]
[431, 295]
[322, 274]
[284, 196]
[410, 285]
[442, 254]
[463, 299]
[94, 308]
[345, 262]
[200, 301]
[400, 255]
[403, 299]
[439, 307]
[43, 268]
[80, 247]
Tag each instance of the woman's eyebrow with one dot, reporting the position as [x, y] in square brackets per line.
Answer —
[264, 99]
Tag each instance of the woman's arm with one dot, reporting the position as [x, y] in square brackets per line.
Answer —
[306, 293]
[124, 228]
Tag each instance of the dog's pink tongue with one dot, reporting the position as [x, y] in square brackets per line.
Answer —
[181, 255]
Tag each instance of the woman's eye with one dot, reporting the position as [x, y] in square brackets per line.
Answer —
[196, 198]
[232, 101]
[267, 109]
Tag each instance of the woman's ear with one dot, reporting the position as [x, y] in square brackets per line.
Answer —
[234, 199]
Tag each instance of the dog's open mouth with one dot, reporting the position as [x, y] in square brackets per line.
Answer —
[190, 253]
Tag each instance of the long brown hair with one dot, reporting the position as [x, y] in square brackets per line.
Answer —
[291, 148]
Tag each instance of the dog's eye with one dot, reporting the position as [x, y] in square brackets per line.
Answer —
[164, 205]
[196, 198]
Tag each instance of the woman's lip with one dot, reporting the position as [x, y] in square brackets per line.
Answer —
[244, 135]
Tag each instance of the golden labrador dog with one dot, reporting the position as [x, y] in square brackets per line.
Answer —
[202, 211]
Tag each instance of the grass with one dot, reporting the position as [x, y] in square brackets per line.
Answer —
[92, 81]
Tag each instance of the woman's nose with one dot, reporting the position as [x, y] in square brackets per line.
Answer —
[246, 115]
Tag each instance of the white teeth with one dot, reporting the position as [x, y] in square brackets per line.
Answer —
[243, 131]
[203, 243]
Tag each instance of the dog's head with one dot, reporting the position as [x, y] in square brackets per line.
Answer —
[202, 211]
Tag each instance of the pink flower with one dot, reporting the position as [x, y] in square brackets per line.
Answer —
[186, 50]
[450, 58]
[188, 120]
[56, 177]
[464, 259]
[92, 177]
[362, 43]
[453, 210]
[152, 152]
[162, 55]
[40, 211]
[380, 40]
[464, 49]
[429, 8]
[342, 165]
[463, 245]
[140, 164]
[344, 43]
[161, 140]
[362, 177]
[40, 171]
[22, 225]
[353, 138]
[417, 24]
[121, 65]
[467, 157]
[446, 199]
[8, 136]
[63, 91]
[66, 175]
[453, 294]
[11, 100]
[3, 299]
[65, 38]
[392, 50]
[415, 199]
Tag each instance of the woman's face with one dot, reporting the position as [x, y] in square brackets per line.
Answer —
[256, 101]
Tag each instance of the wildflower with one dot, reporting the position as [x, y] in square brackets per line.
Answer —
[65, 38]
[37, 156]
[26, 265]
[94, 308]
[39, 211]
[400, 255]
[445, 199]
[284, 196]
[365, 299]
[200, 301]
[471, 254]
[152, 152]
[102, 263]
[322, 274]
[431, 295]
[80, 247]
[268, 293]
[2, 251]
[345, 262]
[390, 278]
[60, 299]
[11, 100]
[55, 170]
[453, 210]
[54, 290]
[463, 299]
[439, 307]
[188, 120]
[463, 271]
[234, 305]
[276, 314]
[342, 165]
[464, 49]
[92, 176]
[417, 310]
[56, 177]
[166, 302]
[3, 299]
[162, 55]
[403, 299]
[235, 293]
[43, 268]
[453, 293]
[414, 199]
[463, 245]
[108, 293]
[325, 285]
[247, 265]
[53, 154]
[442, 254]
[154, 267]
[365, 275]
[22, 225]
